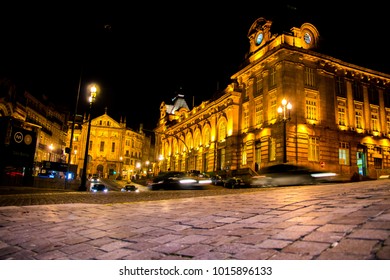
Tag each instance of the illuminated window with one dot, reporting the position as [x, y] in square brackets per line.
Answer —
[272, 149]
[314, 149]
[259, 85]
[246, 118]
[197, 142]
[222, 131]
[358, 116]
[206, 136]
[311, 107]
[344, 153]
[341, 112]
[259, 112]
[273, 108]
[388, 121]
[246, 92]
[374, 119]
[244, 158]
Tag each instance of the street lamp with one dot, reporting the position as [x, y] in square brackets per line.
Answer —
[284, 112]
[120, 167]
[83, 185]
[51, 151]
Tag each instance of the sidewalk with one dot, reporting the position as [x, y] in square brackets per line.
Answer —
[327, 222]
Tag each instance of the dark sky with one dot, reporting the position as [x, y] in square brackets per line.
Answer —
[141, 54]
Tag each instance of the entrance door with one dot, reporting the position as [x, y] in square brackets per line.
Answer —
[361, 157]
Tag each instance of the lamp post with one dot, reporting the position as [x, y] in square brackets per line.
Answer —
[284, 112]
[120, 167]
[83, 184]
[51, 151]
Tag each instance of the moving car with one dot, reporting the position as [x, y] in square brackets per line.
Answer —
[99, 188]
[129, 188]
[289, 175]
[176, 180]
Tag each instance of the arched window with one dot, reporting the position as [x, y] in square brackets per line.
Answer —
[197, 140]
[189, 141]
[222, 131]
[206, 137]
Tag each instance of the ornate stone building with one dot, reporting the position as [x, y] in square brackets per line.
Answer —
[339, 117]
[33, 137]
[114, 150]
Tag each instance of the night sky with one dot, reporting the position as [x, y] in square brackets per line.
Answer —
[143, 54]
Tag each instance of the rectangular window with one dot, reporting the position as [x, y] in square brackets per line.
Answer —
[314, 149]
[311, 109]
[90, 145]
[244, 158]
[259, 112]
[259, 85]
[273, 108]
[102, 146]
[357, 91]
[272, 149]
[358, 116]
[388, 121]
[341, 113]
[386, 97]
[373, 95]
[113, 147]
[340, 86]
[310, 77]
[377, 163]
[344, 153]
[246, 93]
[374, 120]
[272, 78]
[246, 118]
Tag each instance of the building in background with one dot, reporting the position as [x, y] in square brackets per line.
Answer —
[33, 136]
[335, 115]
[114, 151]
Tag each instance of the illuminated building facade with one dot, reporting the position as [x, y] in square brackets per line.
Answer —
[114, 150]
[339, 118]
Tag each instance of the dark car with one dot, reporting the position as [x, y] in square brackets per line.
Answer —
[217, 180]
[129, 188]
[234, 183]
[99, 188]
[177, 180]
[290, 175]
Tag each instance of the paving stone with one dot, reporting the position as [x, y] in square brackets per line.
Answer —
[369, 234]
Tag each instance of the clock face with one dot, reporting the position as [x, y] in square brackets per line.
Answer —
[259, 38]
[307, 38]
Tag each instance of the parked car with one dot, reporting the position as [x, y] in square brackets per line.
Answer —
[176, 180]
[99, 188]
[289, 175]
[129, 188]
[217, 180]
